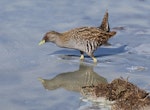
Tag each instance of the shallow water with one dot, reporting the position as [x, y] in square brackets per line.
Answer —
[23, 24]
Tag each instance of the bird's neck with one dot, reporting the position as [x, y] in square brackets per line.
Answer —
[55, 38]
[62, 40]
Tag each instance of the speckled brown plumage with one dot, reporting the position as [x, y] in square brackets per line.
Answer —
[85, 39]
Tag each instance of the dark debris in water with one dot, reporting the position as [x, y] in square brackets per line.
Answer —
[126, 96]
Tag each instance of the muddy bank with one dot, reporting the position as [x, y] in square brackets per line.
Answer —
[120, 95]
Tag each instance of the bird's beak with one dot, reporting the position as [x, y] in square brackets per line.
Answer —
[42, 42]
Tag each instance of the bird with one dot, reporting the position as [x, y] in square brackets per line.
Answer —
[74, 80]
[85, 39]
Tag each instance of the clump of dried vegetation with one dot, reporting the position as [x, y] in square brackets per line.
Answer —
[125, 95]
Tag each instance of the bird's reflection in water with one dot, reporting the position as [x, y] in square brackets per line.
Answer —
[73, 81]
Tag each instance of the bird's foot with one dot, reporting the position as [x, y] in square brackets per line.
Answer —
[94, 60]
[82, 57]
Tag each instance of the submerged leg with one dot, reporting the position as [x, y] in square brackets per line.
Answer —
[92, 56]
[82, 55]
[94, 59]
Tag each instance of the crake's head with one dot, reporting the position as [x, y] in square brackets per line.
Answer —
[49, 37]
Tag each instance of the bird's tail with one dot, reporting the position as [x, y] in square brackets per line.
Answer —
[112, 33]
[105, 27]
[105, 24]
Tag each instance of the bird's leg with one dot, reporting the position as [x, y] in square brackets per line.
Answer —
[82, 55]
[94, 59]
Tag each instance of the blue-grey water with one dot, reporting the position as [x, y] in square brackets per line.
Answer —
[23, 24]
